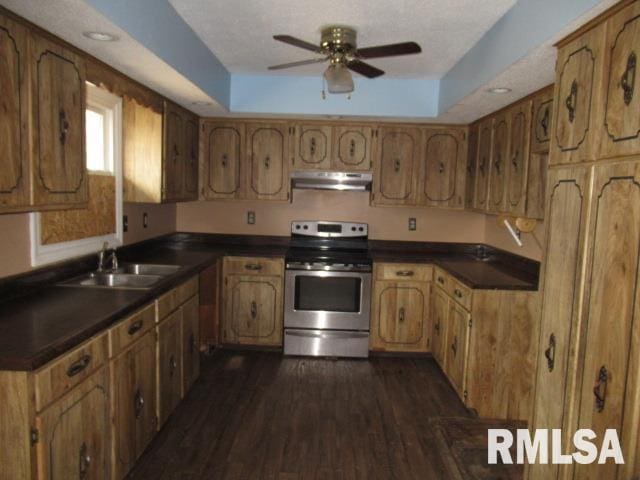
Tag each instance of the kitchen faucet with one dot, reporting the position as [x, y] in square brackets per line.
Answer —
[111, 258]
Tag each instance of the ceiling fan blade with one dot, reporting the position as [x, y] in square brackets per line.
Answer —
[391, 50]
[365, 69]
[298, 64]
[296, 42]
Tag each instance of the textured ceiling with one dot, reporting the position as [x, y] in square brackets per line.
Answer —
[239, 33]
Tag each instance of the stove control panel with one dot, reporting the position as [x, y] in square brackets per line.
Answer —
[329, 229]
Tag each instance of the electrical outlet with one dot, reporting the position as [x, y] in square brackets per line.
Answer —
[125, 223]
[251, 218]
[412, 223]
[145, 220]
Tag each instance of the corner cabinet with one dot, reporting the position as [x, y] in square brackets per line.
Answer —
[483, 164]
[268, 161]
[471, 166]
[180, 154]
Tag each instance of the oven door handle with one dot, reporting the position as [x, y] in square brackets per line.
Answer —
[326, 334]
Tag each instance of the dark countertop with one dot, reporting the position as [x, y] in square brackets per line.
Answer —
[39, 321]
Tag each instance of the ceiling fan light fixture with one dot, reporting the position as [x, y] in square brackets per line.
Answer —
[339, 79]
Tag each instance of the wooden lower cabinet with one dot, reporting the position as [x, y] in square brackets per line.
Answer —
[169, 365]
[400, 316]
[457, 346]
[440, 311]
[133, 403]
[190, 342]
[73, 433]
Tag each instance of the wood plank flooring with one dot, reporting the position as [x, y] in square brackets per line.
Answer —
[257, 415]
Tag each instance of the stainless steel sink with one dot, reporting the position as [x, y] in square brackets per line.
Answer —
[148, 269]
[113, 280]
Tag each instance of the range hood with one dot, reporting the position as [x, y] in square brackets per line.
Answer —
[349, 181]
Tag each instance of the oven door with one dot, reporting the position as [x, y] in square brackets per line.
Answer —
[327, 300]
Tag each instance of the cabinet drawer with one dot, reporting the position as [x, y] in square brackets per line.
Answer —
[171, 300]
[61, 375]
[131, 329]
[459, 292]
[253, 266]
[441, 278]
[404, 271]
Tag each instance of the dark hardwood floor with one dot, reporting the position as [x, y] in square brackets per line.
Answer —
[255, 415]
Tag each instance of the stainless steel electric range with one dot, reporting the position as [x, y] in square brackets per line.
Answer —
[327, 290]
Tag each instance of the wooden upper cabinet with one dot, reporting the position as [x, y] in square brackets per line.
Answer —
[396, 165]
[541, 120]
[576, 108]
[312, 147]
[192, 140]
[14, 166]
[222, 160]
[483, 170]
[621, 89]
[518, 159]
[174, 153]
[58, 103]
[471, 166]
[267, 152]
[499, 163]
[443, 167]
[352, 147]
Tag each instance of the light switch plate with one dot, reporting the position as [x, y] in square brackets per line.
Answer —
[412, 223]
[251, 217]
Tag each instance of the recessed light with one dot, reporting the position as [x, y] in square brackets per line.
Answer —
[101, 36]
[499, 90]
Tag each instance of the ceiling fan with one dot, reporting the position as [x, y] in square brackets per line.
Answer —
[338, 46]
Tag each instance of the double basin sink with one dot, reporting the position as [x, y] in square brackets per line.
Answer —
[129, 276]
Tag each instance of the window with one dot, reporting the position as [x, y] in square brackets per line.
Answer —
[103, 125]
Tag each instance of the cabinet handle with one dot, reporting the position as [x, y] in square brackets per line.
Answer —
[600, 389]
[405, 273]
[396, 166]
[77, 367]
[63, 125]
[454, 345]
[514, 162]
[457, 293]
[441, 168]
[481, 167]
[192, 343]
[628, 80]
[544, 123]
[192, 158]
[352, 148]
[253, 266]
[440, 280]
[267, 162]
[469, 169]
[550, 352]
[497, 164]
[84, 462]
[571, 101]
[312, 147]
[254, 309]
[138, 403]
[401, 314]
[135, 327]
[437, 327]
[224, 160]
[173, 365]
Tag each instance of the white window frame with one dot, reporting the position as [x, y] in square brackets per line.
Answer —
[102, 100]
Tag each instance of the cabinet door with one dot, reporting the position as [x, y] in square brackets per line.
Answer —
[58, 102]
[267, 148]
[190, 343]
[312, 147]
[14, 165]
[191, 146]
[396, 166]
[499, 163]
[439, 324]
[253, 310]
[352, 147]
[566, 216]
[485, 141]
[443, 167]
[74, 433]
[621, 128]
[518, 160]
[400, 316]
[169, 365]
[174, 154]
[610, 377]
[457, 347]
[576, 107]
[224, 149]
[536, 182]
[541, 121]
[133, 402]
[471, 166]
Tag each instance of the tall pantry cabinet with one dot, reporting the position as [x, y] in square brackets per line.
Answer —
[587, 372]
